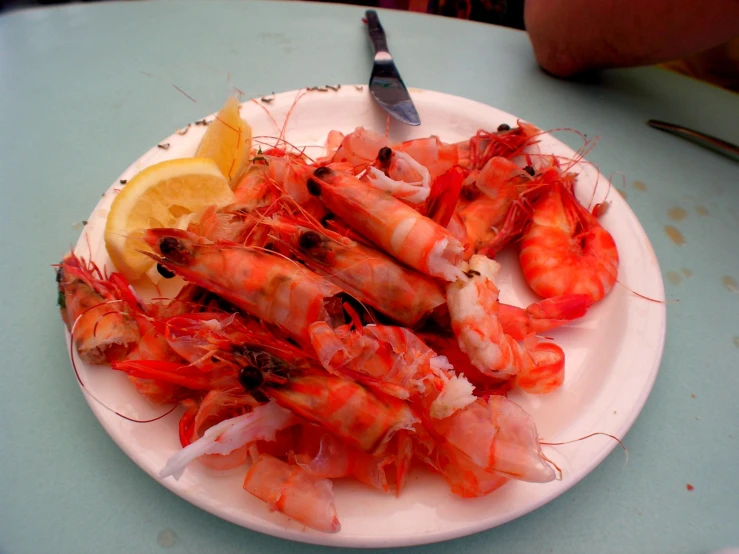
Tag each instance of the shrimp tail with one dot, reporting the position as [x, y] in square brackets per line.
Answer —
[545, 371]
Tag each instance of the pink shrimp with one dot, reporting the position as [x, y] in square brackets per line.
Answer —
[344, 408]
[544, 370]
[359, 148]
[497, 436]
[393, 361]
[484, 383]
[400, 175]
[473, 153]
[255, 189]
[397, 228]
[565, 250]
[473, 307]
[263, 284]
[293, 491]
[436, 156]
[506, 142]
[367, 274]
[465, 478]
[92, 307]
[323, 455]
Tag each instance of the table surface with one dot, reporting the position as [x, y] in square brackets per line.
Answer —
[86, 89]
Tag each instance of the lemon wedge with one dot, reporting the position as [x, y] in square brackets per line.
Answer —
[227, 141]
[166, 194]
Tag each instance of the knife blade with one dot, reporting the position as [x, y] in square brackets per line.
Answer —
[386, 85]
[702, 139]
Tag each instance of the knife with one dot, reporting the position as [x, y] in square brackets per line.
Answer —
[707, 141]
[386, 86]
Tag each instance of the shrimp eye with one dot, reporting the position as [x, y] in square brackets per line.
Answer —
[323, 172]
[503, 127]
[164, 272]
[384, 155]
[250, 378]
[313, 187]
[530, 170]
[174, 250]
[308, 240]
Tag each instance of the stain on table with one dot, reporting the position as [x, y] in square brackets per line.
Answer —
[677, 213]
[674, 278]
[675, 235]
[700, 210]
[730, 283]
[167, 538]
[640, 185]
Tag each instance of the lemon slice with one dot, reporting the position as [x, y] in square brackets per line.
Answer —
[227, 140]
[162, 195]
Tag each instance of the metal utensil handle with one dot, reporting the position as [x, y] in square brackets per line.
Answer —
[376, 32]
[714, 141]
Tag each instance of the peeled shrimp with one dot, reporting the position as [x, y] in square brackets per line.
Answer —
[473, 307]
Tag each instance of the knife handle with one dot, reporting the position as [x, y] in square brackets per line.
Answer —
[376, 32]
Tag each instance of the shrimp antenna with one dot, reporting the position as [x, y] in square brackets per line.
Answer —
[621, 444]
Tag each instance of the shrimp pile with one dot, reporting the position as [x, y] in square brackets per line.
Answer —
[341, 319]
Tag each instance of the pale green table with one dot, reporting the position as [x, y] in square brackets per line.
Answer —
[85, 89]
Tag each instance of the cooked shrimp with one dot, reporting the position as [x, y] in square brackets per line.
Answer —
[254, 189]
[565, 249]
[263, 284]
[506, 142]
[92, 308]
[497, 435]
[217, 225]
[223, 354]
[436, 156]
[544, 370]
[465, 478]
[324, 455]
[359, 148]
[472, 153]
[484, 384]
[394, 361]
[344, 408]
[293, 491]
[397, 228]
[368, 275]
[400, 175]
[473, 307]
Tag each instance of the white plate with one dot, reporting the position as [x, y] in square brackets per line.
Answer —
[613, 353]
